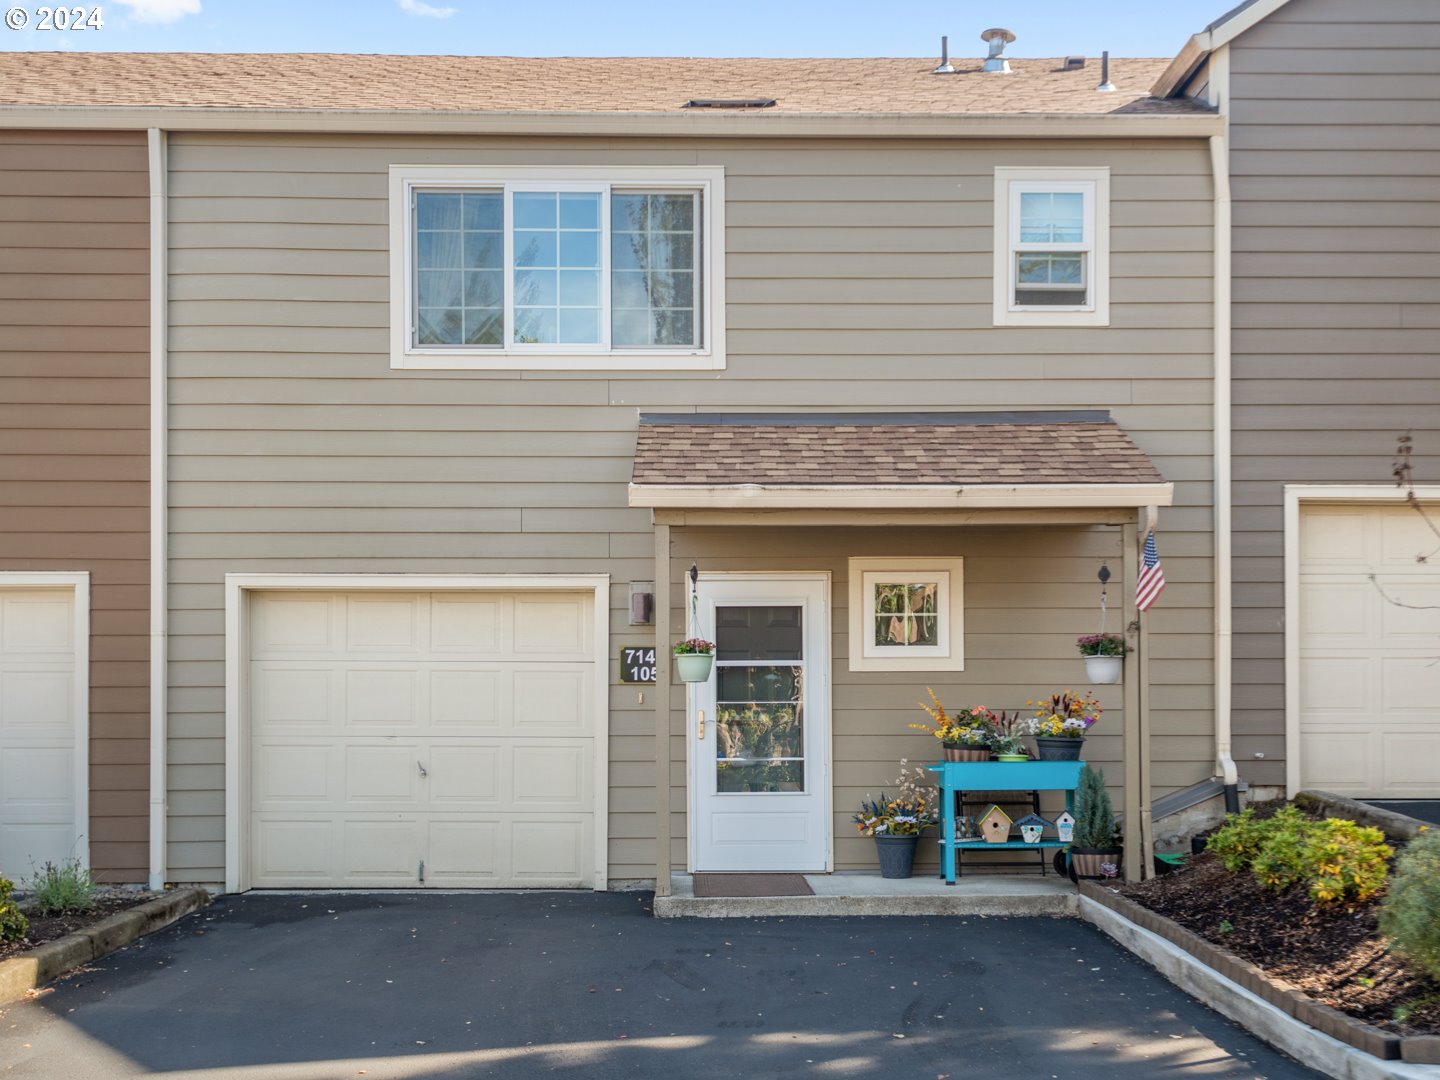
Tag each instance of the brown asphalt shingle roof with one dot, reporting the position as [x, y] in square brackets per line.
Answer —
[568, 84]
[889, 449]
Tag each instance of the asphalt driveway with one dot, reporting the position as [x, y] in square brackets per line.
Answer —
[586, 985]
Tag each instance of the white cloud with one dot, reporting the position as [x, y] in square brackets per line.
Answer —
[424, 10]
[161, 11]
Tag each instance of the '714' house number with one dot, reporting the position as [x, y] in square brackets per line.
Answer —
[637, 665]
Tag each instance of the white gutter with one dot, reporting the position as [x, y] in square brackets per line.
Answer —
[1220, 168]
[159, 516]
[897, 496]
[690, 123]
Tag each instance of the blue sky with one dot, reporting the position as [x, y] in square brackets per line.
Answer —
[626, 27]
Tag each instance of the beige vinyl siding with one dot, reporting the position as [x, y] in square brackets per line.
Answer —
[1335, 162]
[74, 443]
[858, 278]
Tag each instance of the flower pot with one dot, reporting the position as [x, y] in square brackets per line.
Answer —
[693, 667]
[1086, 863]
[1103, 670]
[973, 753]
[1057, 748]
[897, 855]
[1012, 757]
[952, 751]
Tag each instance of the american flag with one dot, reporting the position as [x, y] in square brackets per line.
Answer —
[1151, 581]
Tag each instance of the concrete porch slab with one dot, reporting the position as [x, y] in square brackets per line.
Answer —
[860, 892]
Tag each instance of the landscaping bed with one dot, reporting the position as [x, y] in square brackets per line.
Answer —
[48, 928]
[1335, 954]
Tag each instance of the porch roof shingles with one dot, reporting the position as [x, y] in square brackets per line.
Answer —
[888, 450]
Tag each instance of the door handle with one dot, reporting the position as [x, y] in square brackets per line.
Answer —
[421, 766]
[700, 734]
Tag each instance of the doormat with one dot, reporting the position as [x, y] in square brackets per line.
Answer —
[752, 885]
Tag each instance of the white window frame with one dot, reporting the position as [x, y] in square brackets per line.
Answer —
[949, 652]
[405, 180]
[1094, 183]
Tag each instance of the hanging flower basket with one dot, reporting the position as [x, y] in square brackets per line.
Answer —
[1104, 670]
[694, 659]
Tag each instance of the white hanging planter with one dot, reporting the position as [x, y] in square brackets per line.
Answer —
[1104, 670]
[694, 667]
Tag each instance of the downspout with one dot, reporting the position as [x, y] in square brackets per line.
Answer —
[1220, 168]
[159, 502]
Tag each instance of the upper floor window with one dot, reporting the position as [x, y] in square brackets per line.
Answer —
[1052, 249]
[556, 268]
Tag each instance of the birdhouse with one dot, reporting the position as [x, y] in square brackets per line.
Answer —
[995, 826]
[1065, 826]
[1032, 827]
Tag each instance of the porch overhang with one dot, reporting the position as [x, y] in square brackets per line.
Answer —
[778, 465]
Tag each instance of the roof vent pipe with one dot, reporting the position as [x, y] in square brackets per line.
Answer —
[997, 39]
[1106, 86]
[944, 68]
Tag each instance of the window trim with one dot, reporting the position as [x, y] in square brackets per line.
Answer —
[1010, 183]
[948, 655]
[405, 355]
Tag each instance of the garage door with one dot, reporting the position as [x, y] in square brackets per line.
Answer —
[440, 739]
[1369, 680]
[37, 729]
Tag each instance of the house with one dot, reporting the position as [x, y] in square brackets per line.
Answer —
[460, 359]
[1330, 134]
[75, 550]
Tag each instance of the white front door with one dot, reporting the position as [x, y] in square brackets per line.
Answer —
[760, 763]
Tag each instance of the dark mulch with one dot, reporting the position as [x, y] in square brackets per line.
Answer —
[57, 926]
[1336, 955]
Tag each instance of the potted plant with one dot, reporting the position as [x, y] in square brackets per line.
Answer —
[1007, 742]
[1060, 723]
[896, 824]
[964, 736]
[1104, 657]
[1094, 853]
[694, 657]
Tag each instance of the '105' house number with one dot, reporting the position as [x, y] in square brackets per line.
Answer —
[637, 665]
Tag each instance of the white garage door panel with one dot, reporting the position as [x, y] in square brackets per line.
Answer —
[37, 728]
[1368, 677]
[451, 729]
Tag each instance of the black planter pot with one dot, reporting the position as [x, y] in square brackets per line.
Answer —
[1085, 863]
[1058, 748]
[897, 855]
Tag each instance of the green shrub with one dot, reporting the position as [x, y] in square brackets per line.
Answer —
[1410, 913]
[1285, 857]
[1339, 861]
[1094, 814]
[13, 925]
[1345, 862]
[64, 889]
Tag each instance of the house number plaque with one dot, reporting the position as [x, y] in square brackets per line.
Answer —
[637, 665]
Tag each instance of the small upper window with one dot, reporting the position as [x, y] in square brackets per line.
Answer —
[1051, 247]
[550, 269]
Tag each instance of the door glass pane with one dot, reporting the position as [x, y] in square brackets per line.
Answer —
[760, 700]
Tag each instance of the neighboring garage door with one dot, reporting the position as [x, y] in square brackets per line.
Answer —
[1369, 677]
[37, 729]
[400, 739]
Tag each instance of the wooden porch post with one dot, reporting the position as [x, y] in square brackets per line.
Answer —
[1147, 516]
[1133, 677]
[662, 710]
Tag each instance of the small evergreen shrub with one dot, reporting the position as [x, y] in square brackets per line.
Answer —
[1094, 814]
[13, 924]
[64, 889]
[1346, 863]
[1410, 913]
[1339, 862]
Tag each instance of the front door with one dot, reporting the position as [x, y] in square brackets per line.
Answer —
[760, 775]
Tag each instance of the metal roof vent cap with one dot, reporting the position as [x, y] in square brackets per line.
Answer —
[997, 39]
[1106, 86]
[945, 68]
